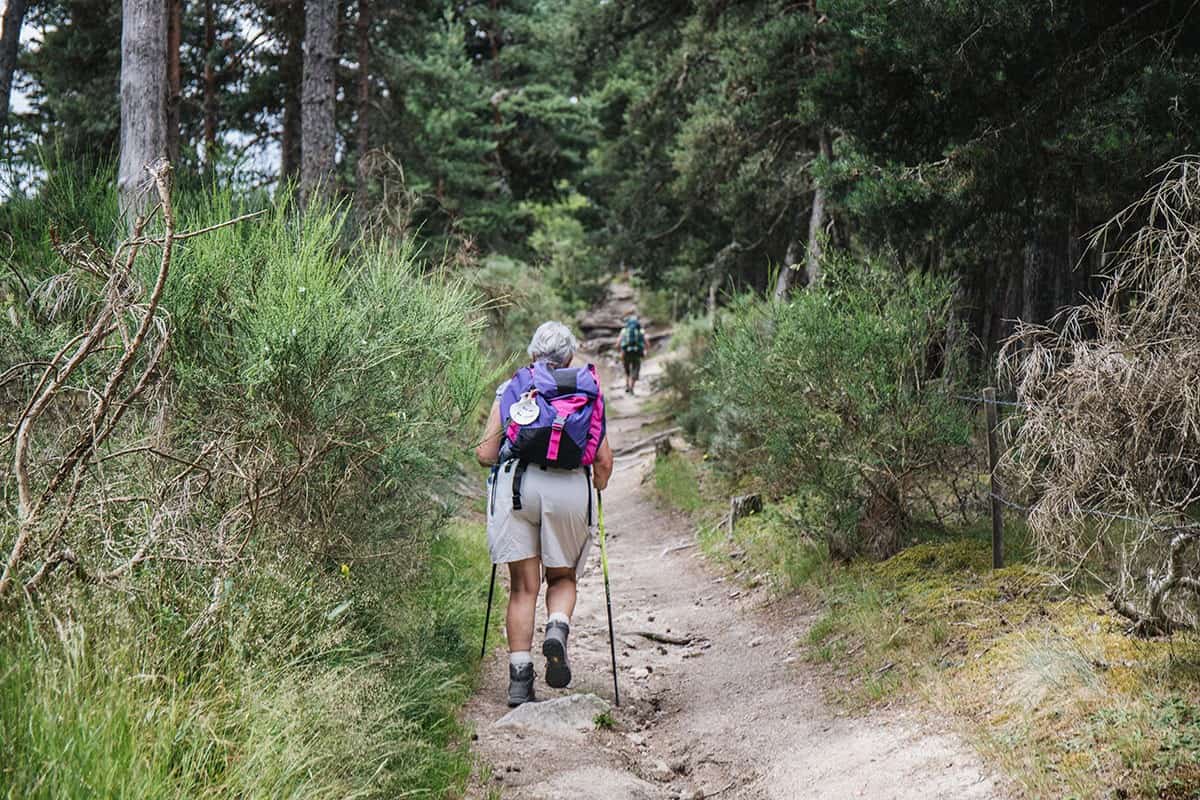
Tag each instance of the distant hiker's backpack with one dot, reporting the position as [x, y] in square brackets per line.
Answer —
[569, 422]
[633, 340]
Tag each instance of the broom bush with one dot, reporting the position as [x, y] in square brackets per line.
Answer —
[300, 626]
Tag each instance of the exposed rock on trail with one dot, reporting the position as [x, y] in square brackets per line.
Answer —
[730, 713]
[565, 716]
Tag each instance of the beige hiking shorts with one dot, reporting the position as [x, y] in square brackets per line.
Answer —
[552, 522]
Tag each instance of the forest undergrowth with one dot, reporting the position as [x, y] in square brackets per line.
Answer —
[253, 584]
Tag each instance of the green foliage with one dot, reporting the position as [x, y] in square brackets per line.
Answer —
[574, 269]
[312, 685]
[327, 337]
[75, 91]
[517, 298]
[677, 482]
[75, 199]
[680, 378]
[842, 393]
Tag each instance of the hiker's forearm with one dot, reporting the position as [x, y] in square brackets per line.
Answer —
[488, 451]
[602, 468]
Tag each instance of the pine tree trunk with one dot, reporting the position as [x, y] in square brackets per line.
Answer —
[717, 270]
[291, 75]
[318, 133]
[143, 99]
[791, 257]
[816, 221]
[1010, 305]
[363, 121]
[1035, 286]
[10, 45]
[210, 87]
[174, 76]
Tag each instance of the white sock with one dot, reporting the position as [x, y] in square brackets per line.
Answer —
[519, 658]
[559, 616]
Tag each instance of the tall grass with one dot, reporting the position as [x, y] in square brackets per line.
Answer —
[289, 699]
[327, 655]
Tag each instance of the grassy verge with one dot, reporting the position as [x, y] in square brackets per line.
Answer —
[1043, 679]
[314, 685]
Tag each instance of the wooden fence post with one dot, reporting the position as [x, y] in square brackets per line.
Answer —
[989, 404]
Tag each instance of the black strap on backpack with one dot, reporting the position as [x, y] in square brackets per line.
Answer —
[493, 480]
[518, 477]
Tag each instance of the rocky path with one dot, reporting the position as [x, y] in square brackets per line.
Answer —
[732, 714]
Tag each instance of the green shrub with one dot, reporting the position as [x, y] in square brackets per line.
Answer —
[574, 269]
[840, 393]
[297, 630]
[335, 375]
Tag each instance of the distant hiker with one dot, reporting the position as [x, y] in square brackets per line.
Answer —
[633, 349]
[546, 441]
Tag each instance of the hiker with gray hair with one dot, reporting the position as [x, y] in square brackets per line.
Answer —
[546, 441]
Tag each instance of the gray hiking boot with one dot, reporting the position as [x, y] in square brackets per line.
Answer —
[520, 685]
[558, 671]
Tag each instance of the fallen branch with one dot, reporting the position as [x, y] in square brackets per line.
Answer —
[649, 441]
[179, 237]
[665, 638]
[676, 548]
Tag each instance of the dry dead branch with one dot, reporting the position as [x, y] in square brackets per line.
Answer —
[1107, 449]
[86, 387]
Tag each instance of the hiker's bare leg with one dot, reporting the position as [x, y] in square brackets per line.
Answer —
[560, 590]
[525, 583]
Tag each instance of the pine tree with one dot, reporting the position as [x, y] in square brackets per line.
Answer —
[318, 130]
[362, 116]
[10, 41]
[143, 98]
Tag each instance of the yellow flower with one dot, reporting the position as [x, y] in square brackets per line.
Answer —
[345, 570]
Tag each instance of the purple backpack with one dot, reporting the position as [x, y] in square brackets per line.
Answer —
[570, 423]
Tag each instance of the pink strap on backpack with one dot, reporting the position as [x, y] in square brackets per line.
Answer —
[597, 426]
[564, 407]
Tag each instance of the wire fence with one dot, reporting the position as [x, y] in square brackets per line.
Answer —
[981, 400]
[990, 402]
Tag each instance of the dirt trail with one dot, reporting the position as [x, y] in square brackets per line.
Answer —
[734, 714]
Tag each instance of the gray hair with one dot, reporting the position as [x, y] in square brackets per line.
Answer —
[554, 343]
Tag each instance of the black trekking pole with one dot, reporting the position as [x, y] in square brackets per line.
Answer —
[612, 646]
[487, 618]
